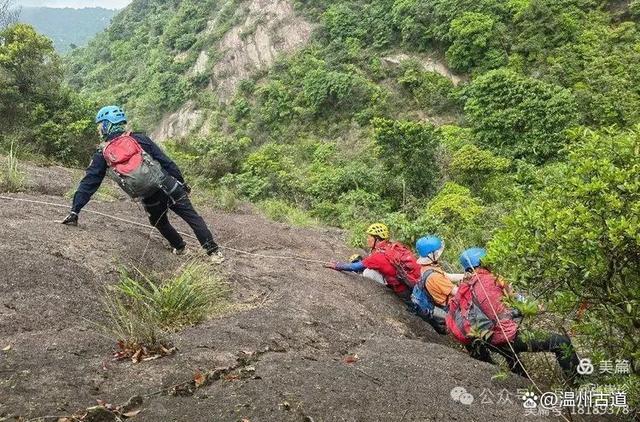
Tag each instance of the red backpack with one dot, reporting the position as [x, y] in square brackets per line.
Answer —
[137, 173]
[404, 262]
[477, 311]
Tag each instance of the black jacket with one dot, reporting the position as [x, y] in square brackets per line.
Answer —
[98, 168]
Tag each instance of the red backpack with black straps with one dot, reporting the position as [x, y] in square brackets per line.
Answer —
[137, 173]
[404, 262]
[477, 311]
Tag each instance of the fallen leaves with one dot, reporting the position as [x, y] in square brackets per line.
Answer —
[199, 379]
[139, 353]
[351, 358]
[107, 412]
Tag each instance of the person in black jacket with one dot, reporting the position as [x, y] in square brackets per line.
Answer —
[173, 193]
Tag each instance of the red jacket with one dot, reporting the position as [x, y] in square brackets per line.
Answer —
[379, 261]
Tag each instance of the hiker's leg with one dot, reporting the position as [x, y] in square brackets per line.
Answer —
[480, 351]
[157, 208]
[374, 275]
[511, 353]
[182, 206]
[559, 345]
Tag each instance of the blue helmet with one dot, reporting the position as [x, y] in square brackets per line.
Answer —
[471, 258]
[111, 114]
[428, 244]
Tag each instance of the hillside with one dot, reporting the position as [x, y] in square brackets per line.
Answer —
[284, 339]
[68, 28]
[507, 125]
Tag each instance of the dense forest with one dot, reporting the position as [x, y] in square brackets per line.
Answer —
[533, 150]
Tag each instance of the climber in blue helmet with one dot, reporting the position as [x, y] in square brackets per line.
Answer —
[144, 171]
[431, 295]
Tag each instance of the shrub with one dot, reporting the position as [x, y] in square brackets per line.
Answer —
[408, 150]
[581, 235]
[477, 41]
[142, 310]
[519, 116]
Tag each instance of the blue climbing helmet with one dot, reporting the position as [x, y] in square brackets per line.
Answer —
[111, 114]
[471, 258]
[427, 247]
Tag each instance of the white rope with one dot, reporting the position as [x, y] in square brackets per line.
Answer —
[146, 226]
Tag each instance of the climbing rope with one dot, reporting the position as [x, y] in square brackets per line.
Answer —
[146, 226]
[279, 257]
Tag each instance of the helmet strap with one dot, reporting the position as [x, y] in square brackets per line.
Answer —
[105, 128]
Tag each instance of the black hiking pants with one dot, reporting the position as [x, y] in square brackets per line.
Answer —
[550, 342]
[159, 204]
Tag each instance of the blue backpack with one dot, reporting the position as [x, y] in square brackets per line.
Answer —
[421, 298]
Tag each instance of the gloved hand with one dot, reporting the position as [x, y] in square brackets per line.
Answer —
[71, 219]
[332, 264]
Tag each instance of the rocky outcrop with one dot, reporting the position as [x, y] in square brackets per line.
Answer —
[268, 29]
[180, 123]
[271, 28]
[429, 64]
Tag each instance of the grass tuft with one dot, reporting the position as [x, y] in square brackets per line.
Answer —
[142, 310]
[11, 178]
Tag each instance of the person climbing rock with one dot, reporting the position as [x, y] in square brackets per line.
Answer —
[479, 319]
[389, 263]
[431, 295]
[143, 171]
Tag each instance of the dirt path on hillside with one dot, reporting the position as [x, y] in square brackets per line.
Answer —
[287, 338]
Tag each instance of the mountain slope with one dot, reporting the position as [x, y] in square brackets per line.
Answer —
[67, 27]
[294, 323]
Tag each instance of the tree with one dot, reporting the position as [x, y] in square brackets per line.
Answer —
[408, 150]
[519, 116]
[476, 41]
[577, 242]
[31, 70]
[37, 109]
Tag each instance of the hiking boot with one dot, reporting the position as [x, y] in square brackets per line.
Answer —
[216, 257]
[182, 251]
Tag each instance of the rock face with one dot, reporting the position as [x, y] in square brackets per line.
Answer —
[429, 64]
[269, 28]
[300, 342]
[180, 123]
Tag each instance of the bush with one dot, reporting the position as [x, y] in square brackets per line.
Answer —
[408, 150]
[581, 235]
[476, 41]
[433, 92]
[519, 116]
[142, 310]
[476, 168]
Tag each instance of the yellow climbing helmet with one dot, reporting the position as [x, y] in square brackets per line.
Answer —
[380, 230]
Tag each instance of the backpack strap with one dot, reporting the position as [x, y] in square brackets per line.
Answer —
[424, 278]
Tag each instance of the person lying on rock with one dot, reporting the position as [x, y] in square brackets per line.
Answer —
[479, 318]
[143, 171]
[431, 295]
[389, 263]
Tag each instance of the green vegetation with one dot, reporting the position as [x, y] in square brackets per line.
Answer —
[11, 177]
[142, 309]
[40, 114]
